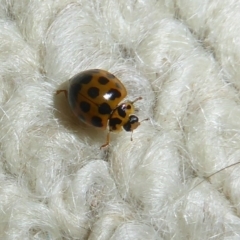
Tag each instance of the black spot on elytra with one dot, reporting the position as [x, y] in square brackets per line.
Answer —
[121, 111]
[93, 92]
[85, 78]
[96, 121]
[85, 106]
[113, 122]
[73, 92]
[104, 108]
[129, 107]
[103, 80]
[113, 94]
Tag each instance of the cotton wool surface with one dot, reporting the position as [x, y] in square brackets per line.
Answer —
[179, 177]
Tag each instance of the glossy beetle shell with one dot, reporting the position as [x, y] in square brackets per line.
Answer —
[95, 98]
[93, 95]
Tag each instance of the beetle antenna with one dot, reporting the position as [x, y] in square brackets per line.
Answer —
[146, 119]
[139, 98]
[131, 135]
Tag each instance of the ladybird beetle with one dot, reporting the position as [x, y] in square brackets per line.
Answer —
[94, 96]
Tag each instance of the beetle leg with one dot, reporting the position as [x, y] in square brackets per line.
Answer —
[139, 123]
[64, 91]
[107, 142]
[131, 135]
[146, 119]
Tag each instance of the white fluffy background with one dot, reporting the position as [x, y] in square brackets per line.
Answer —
[183, 58]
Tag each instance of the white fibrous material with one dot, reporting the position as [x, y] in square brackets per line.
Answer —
[178, 179]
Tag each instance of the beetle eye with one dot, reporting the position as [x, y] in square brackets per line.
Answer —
[131, 124]
[133, 119]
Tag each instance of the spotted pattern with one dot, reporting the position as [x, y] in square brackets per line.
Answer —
[104, 108]
[113, 122]
[86, 79]
[85, 106]
[121, 111]
[103, 80]
[113, 94]
[93, 92]
[133, 119]
[93, 95]
[96, 121]
[128, 126]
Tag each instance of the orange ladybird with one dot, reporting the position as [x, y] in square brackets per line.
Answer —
[94, 96]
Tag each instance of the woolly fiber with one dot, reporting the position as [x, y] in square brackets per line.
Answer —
[179, 177]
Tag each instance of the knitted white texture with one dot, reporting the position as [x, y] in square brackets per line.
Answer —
[183, 58]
